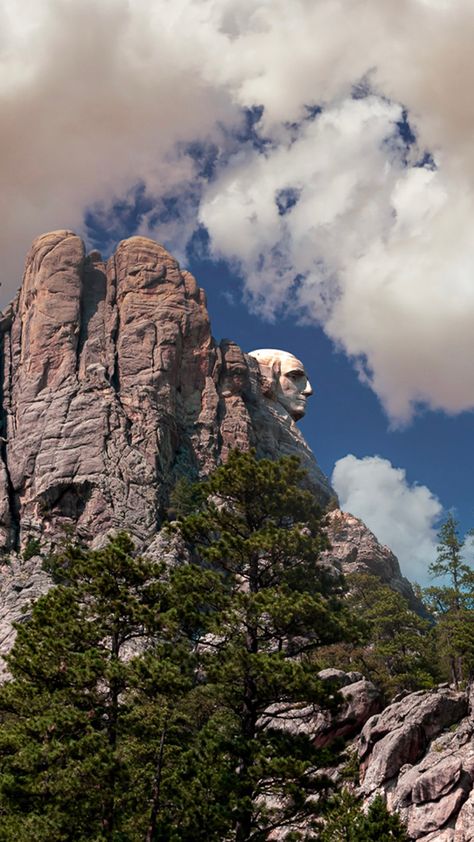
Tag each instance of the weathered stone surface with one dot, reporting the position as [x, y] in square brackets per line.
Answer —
[21, 583]
[355, 549]
[464, 831]
[399, 734]
[360, 699]
[339, 676]
[112, 387]
[420, 754]
[431, 817]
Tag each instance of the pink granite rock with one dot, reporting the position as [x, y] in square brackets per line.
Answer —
[360, 699]
[113, 387]
[464, 830]
[400, 734]
[419, 753]
[355, 549]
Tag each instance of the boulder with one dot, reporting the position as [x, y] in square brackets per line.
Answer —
[419, 754]
[359, 700]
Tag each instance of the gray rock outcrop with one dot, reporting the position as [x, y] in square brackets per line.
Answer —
[419, 753]
[359, 700]
[355, 549]
[112, 387]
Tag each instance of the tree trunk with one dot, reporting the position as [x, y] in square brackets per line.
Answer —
[109, 808]
[243, 825]
[452, 666]
[156, 791]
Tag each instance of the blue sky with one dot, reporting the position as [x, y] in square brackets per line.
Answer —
[344, 415]
[312, 164]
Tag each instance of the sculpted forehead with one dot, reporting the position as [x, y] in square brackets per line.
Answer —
[269, 356]
[284, 380]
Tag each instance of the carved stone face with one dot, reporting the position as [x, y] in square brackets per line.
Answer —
[291, 386]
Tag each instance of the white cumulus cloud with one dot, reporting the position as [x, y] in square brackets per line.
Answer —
[334, 211]
[403, 516]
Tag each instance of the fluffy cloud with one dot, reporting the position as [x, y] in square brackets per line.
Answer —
[95, 98]
[339, 211]
[401, 515]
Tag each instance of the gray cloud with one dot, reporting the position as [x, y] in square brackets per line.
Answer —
[96, 98]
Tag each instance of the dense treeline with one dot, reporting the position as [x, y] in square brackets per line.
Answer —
[154, 703]
[400, 650]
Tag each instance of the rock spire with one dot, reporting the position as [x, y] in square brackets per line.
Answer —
[112, 387]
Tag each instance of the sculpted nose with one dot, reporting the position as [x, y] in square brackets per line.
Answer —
[308, 389]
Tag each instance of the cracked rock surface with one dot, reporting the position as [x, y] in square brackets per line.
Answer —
[419, 753]
[112, 387]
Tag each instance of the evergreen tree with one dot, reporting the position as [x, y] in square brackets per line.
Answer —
[452, 603]
[347, 822]
[263, 534]
[98, 719]
[185, 498]
[396, 649]
[156, 705]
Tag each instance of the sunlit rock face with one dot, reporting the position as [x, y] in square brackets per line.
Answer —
[355, 549]
[418, 753]
[288, 383]
[112, 387]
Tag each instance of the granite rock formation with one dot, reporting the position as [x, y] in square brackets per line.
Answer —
[112, 387]
[419, 753]
[355, 549]
[360, 699]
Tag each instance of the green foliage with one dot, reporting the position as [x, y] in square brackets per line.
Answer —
[452, 603]
[98, 718]
[396, 649]
[32, 548]
[155, 705]
[186, 497]
[457, 591]
[263, 533]
[346, 822]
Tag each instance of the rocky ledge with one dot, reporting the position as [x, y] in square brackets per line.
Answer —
[419, 753]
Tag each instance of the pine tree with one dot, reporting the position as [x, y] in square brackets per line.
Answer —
[396, 648]
[153, 704]
[263, 534]
[99, 717]
[452, 603]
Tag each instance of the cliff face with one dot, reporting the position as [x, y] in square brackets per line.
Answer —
[419, 753]
[112, 386]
